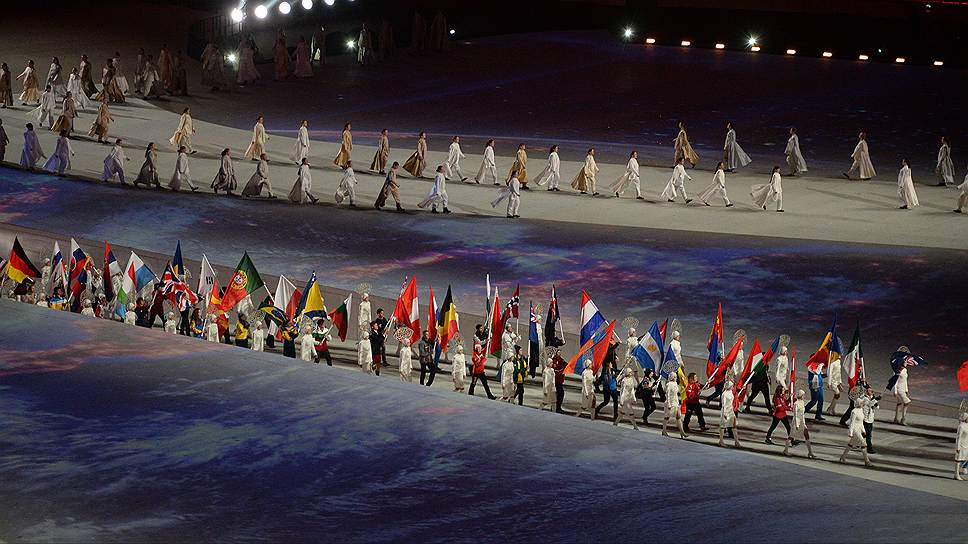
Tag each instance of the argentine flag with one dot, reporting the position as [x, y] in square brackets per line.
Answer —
[591, 319]
[648, 352]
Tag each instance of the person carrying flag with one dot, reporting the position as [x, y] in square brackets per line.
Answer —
[425, 354]
[779, 414]
[835, 382]
[693, 403]
[608, 382]
[815, 377]
[478, 358]
[760, 385]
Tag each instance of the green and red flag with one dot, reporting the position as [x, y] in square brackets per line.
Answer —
[244, 282]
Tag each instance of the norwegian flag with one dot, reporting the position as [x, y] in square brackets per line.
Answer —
[176, 290]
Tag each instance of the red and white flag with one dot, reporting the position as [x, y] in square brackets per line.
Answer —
[407, 312]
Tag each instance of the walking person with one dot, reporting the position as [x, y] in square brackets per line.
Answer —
[645, 391]
[425, 354]
[520, 369]
[693, 403]
[815, 378]
[779, 414]
[800, 431]
[488, 166]
[765, 193]
[608, 382]
[727, 415]
[478, 360]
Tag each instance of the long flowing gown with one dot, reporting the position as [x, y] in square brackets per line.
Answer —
[793, 156]
[684, 149]
[585, 180]
[345, 150]
[945, 167]
[905, 188]
[418, 160]
[733, 154]
[379, 163]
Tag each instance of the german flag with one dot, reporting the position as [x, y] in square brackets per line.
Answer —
[448, 325]
[19, 266]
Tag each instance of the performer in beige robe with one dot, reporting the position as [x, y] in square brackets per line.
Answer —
[794, 158]
[55, 78]
[630, 178]
[87, 80]
[418, 160]
[945, 168]
[166, 67]
[520, 167]
[280, 53]
[31, 93]
[109, 84]
[259, 139]
[684, 149]
[304, 65]
[100, 126]
[6, 91]
[584, 181]
[862, 160]
[905, 187]
[300, 150]
[345, 154]
[65, 121]
[379, 163]
[183, 134]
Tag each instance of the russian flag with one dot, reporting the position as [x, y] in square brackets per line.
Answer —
[648, 352]
[591, 318]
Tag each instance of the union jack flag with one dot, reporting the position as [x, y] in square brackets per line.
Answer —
[177, 291]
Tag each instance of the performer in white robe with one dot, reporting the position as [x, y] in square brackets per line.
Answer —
[488, 166]
[130, 318]
[247, 70]
[45, 111]
[152, 80]
[211, 331]
[945, 168]
[961, 446]
[259, 337]
[794, 158]
[170, 324]
[438, 192]
[962, 198]
[406, 361]
[626, 398]
[584, 181]
[800, 431]
[733, 154]
[458, 369]
[905, 187]
[677, 183]
[307, 345]
[901, 394]
[259, 140]
[364, 317]
[347, 185]
[716, 188]
[225, 179]
[114, 163]
[454, 155]
[672, 410]
[587, 391]
[300, 150]
[259, 180]
[552, 171]
[74, 87]
[55, 78]
[304, 66]
[60, 160]
[513, 194]
[856, 434]
[182, 173]
[763, 194]
[31, 92]
[835, 383]
[727, 415]
[862, 160]
[782, 373]
[185, 131]
[548, 389]
[630, 178]
[364, 353]
[301, 190]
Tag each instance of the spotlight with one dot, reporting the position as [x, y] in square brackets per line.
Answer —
[827, 54]
[350, 44]
[791, 51]
[238, 15]
[329, 2]
[939, 63]
[261, 11]
[752, 41]
[685, 43]
[232, 58]
[900, 60]
[862, 57]
[755, 48]
[307, 4]
[720, 46]
[650, 41]
[452, 32]
[627, 33]
[284, 8]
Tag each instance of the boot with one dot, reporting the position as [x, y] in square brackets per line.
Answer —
[682, 433]
[958, 471]
[810, 454]
[867, 459]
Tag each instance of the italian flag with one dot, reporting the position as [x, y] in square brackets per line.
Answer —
[341, 317]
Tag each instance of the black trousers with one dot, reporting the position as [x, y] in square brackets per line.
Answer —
[559, 396]
[519, 392]
[764, 388]
[869, 429]
[649, 404]
[424, 369]
[609, 396]
[483, 378]
[846, 416]
[184, 326]
[777, 421]
[325, 355]
[693, 409]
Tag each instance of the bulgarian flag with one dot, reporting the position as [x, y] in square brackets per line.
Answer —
[19, 266]
[243, 283]
[341, 317]
[448, 323]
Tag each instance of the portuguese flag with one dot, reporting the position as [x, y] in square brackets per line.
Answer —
[243, 283]
[341, 317]
[19, 266]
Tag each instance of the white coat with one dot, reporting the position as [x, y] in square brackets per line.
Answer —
[437, 194]
[258, 339]
[782, 374]
[588, 389]
[945, 168]
[676, 184]
[300, 150]
[901, 385]
[855, 428]
[347, 186]
[961, 442]
[799, 420]
[905, 188]
[672, 397]
[452, 166]
[114, 164]
[300, 192]
[548, 386]
[364, 355]
[733, 154]
[182, 173]
[862, 161]
[130, 318]
[211, 332]
[60, 160]
[727, 417]
[717, 187]
[507, 379]
[630, 178]
[765, 193]
[552, 172]
[834, 375]
[458, 370]
[307, 347]
[406, 363]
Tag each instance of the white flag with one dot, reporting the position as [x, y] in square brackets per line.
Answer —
[206, 279]
[284, 292]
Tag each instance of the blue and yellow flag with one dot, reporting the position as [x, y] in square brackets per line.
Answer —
[311, 304]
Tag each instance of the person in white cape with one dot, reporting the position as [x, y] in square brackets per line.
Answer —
[905, 187]
[33, 152]
[182, 172]
[60, 159]
[716, 188]
[856, 434]
[794, 158]
[259, 180]
[406, 361]
[347, 185]
[547, 388]
[672, 410]
[259, 337]
[552, 171]
[458, 369]
[170, 324]
[364, 353]
[513, 193]
[733, 154]
[676, 184]
[454, 155]
[765, 193]
[300, 192]
[626, 397]
[257, 146]
[211, 331]
[300, 150]
[225, 179]
[307, 343]
[945, 168]
[587, 391]
[727, 415]
[902, 396]
[961, 446]
[364, 316]
[438, 192]
[114, 163]
[630, 178]
[74, 87]
[800, 431]
[962, 198]
[507, 378]
[45, 111]
[862, 160]
[488, 166]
